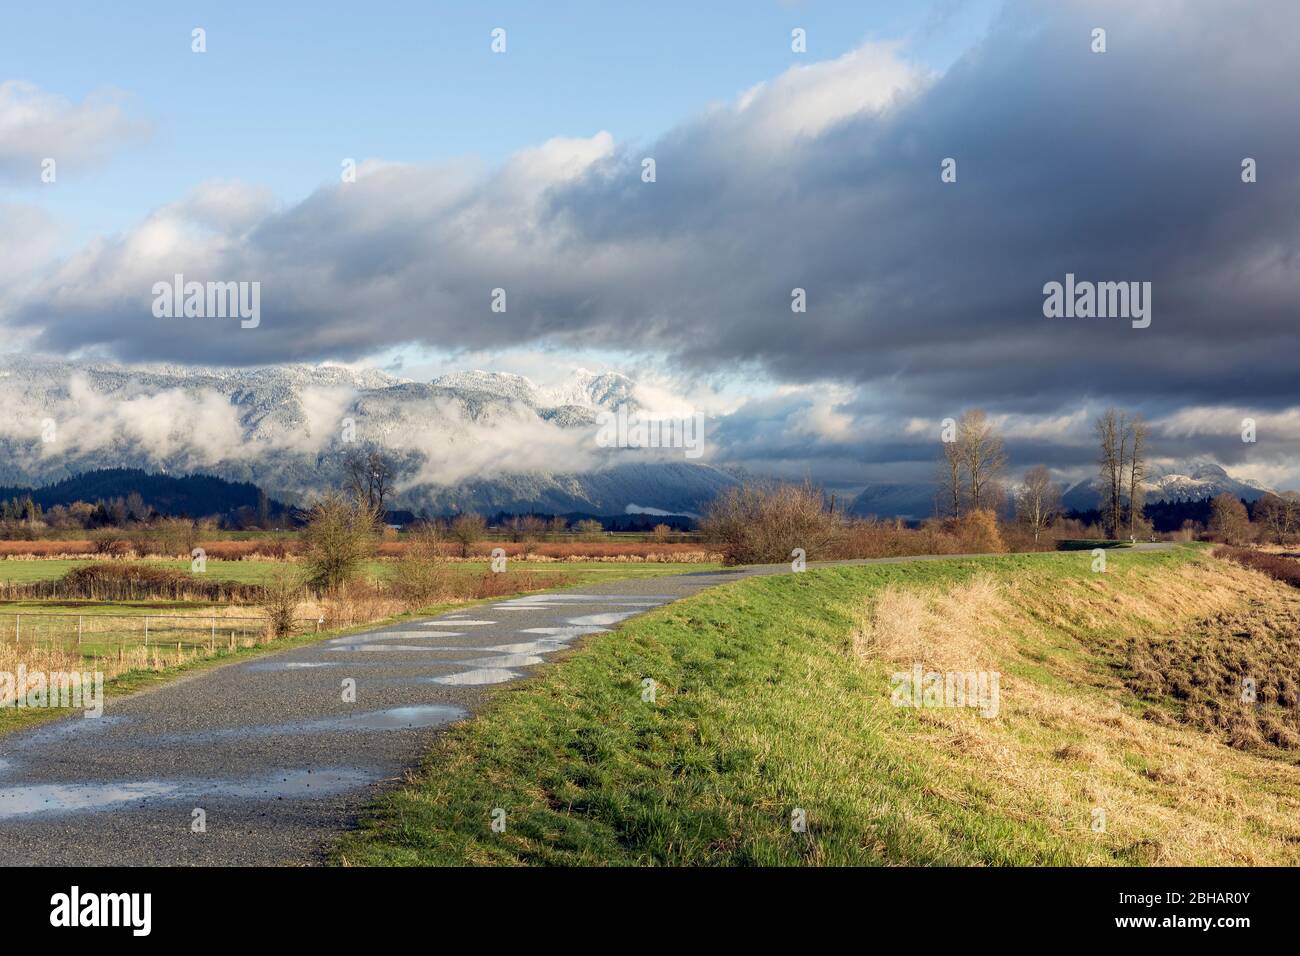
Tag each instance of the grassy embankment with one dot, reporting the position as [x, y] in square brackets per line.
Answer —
[1119, 694]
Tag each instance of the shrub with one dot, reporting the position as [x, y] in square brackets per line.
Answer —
[978, 533]
[281, 595]
[763, 522]
[106, 541]
[114, 581]
[420, 577]
[337, 541]
[466, 529]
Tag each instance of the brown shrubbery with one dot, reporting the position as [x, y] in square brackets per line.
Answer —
[421, 577]
[977, 532]
[1274, 565]
[280, 599]
[122, 581]
[762, 523]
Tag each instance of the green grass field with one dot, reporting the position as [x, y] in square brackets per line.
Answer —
[183, 633]
[770, 701]
[256, 572]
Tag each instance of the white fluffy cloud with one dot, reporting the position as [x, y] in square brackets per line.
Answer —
[36, 124]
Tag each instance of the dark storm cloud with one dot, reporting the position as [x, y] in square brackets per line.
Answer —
[1120, 166]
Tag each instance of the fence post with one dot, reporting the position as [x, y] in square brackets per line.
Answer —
[146, 630]
[18, 628]
[212, 641]
[78, 630]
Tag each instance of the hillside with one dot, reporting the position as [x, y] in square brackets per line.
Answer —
[1119, 735]
[194, 496]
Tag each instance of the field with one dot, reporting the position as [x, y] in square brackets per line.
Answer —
[773, 738]
[128, 639]
[259, 572]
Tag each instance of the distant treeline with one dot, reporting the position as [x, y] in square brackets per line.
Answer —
[1165, 516]
[115, 496]
[638, 523]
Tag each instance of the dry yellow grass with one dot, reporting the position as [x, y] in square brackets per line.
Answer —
[54, 659]
[1071, 738]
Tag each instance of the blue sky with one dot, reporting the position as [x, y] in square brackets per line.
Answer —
[286, 91]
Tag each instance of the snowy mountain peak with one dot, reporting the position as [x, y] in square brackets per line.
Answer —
[502, 384]
[594, 390]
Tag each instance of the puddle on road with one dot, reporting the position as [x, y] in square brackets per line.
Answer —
[564, 633]
[613, 617]
[75, 725]
[371, 638]
[390, 647]
[74, 797]
[289, 665]
[397, 718]
[503, 660]
[456, 622]
[587, 598]
[59, 798]
[482, 675]
[524, 647]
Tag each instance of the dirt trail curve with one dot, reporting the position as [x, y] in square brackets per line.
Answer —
[268, 750]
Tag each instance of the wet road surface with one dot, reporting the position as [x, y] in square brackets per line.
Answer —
[268, 752]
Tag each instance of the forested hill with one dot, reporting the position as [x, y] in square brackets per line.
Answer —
[194, 496]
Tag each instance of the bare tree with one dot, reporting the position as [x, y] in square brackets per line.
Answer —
[370, 478]
[950, 480]
[1228, 519]
[984, 458]
[1112, 431]
[1279, 514]
[970, 475]
[1136, 472]
[1039, 500]
[468, 529]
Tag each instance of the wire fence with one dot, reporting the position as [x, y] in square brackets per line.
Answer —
[105, 634]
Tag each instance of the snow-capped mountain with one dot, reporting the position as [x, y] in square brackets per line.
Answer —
[1186, 481]
[481, 440]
